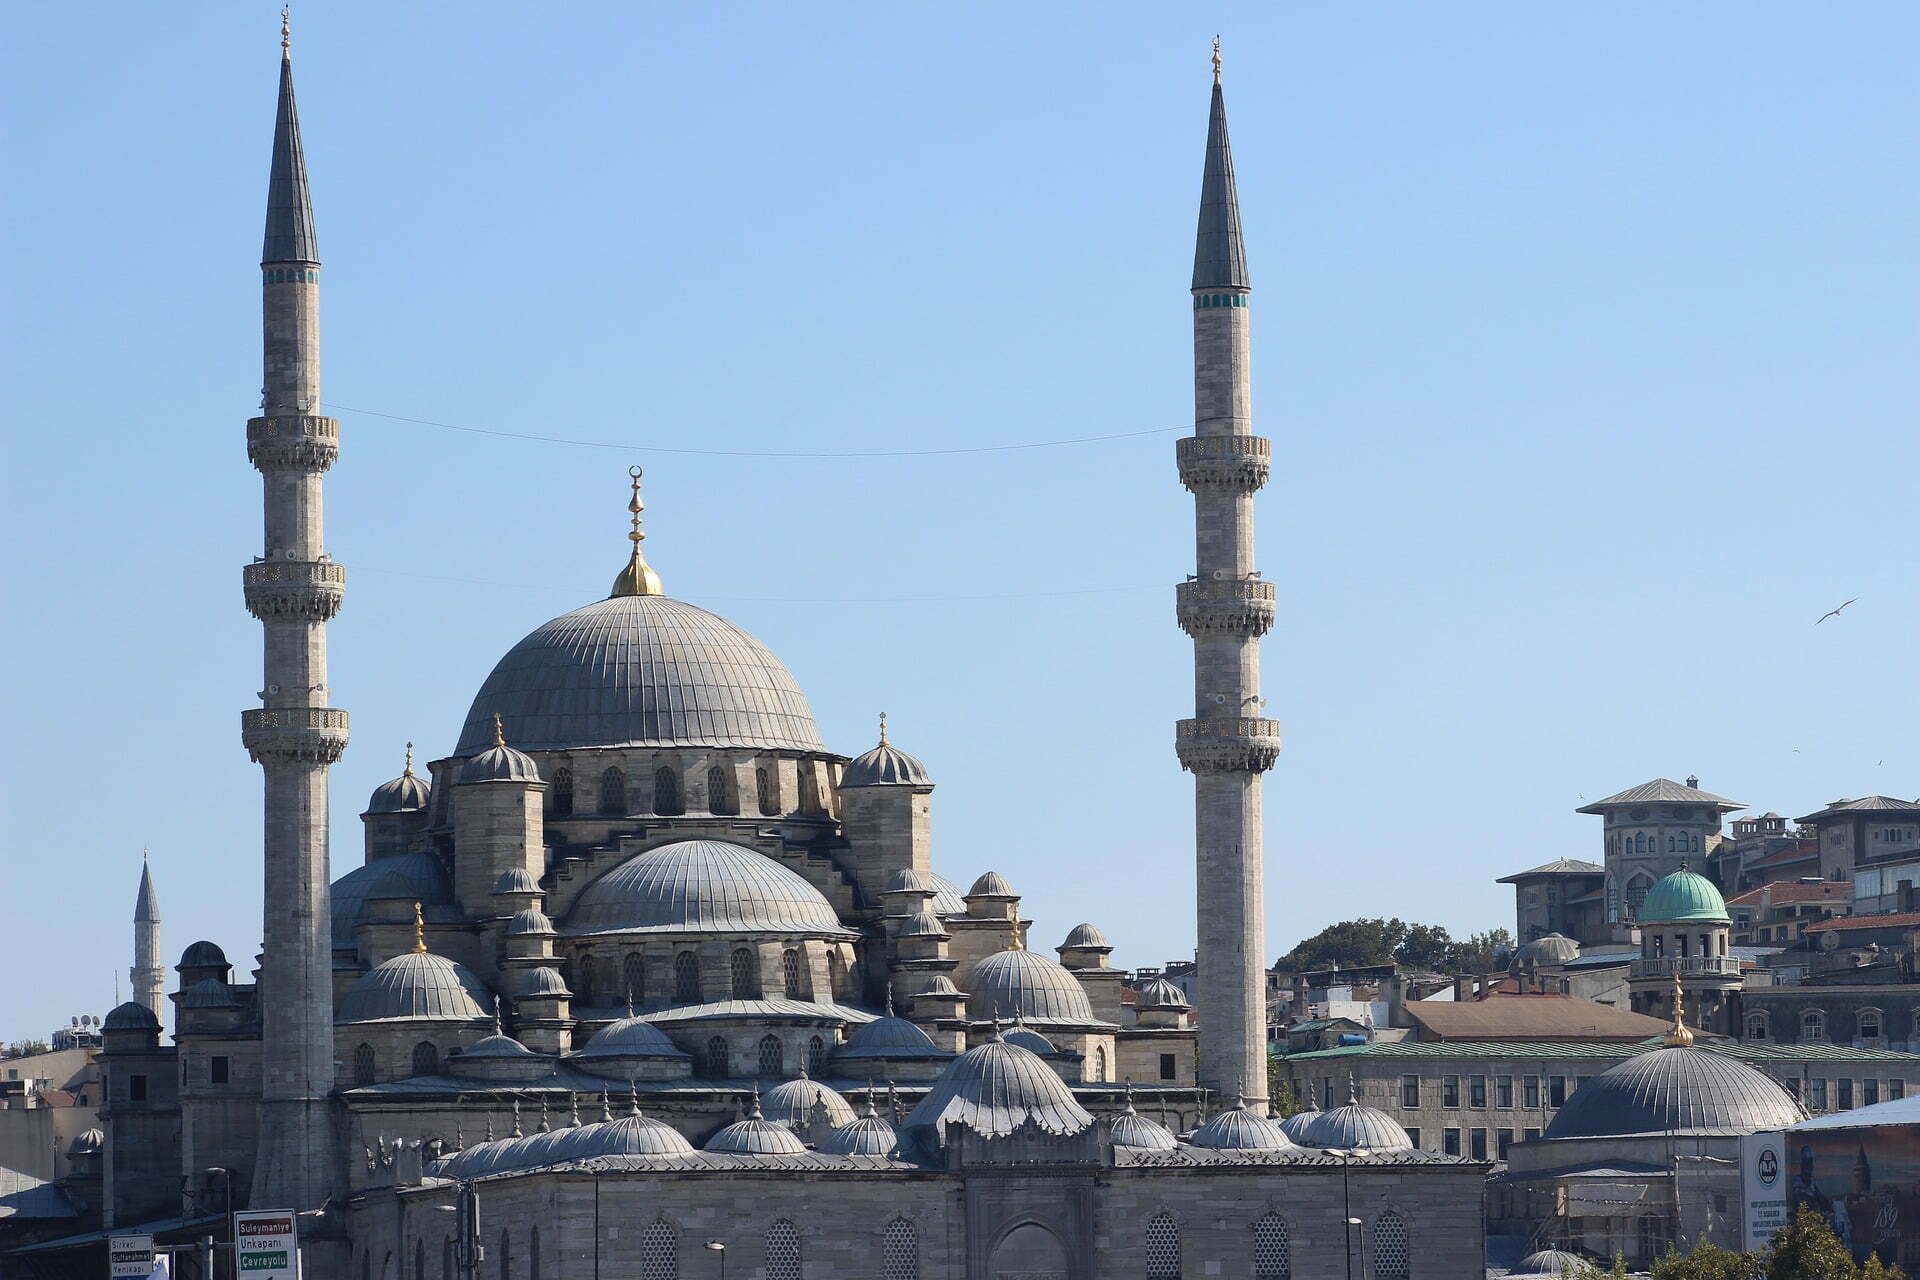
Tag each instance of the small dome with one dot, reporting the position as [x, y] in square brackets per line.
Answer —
[923, 924]
[87, 1143]
[1552, 949]
[203, 955]
[1158, 993]
[1551, 1262]
[907, 880]
[940, 985]
[408, 793]
[500, 763]
[1356, 1128]
[544, 982]
[791, 1103]
[1131, 1129]
[884, 766]
[889, 1037]
[516, 880]
[1675, 1090]
[634, 1135]
[994, 1089]
[1683, 896]
[209, 993]
[131, 1016]
[758, 1136]
[946, 897]
[415, 986]
[867, 1136]
[992, 885]
[1085, 937]
[1032, 1041]
[1296, 1125]
[496, 1046]
[629, 1038]
[1238, 1129]
[529, 923]
[1027, 986]
[703, 886]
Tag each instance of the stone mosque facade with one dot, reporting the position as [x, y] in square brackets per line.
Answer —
[643, 966]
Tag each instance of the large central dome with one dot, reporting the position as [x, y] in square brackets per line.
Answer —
[641, 671]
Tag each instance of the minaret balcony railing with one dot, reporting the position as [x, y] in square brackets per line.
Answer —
[293, 441]
[1227, 744]
[1240, 607]
[316, 735]
[1685, 966]
[1236, 463]
[308, 589]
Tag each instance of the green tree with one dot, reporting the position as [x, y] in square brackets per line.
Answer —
[24, 1048]
[1352, 944]
[1807, 1249]
[1280, 1100]
[1709, 1262]
[1479, 953]
[1874, 1269]
[1425, 946]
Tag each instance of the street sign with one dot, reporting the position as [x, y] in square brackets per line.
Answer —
[130, 1256]
[265, 1246]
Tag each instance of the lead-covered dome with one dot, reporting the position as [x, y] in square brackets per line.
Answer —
[408, 793]
[641, 671]
[415, 986]
[869, 1135]
[1355, 1128]
[349, 895]
[792, 1101]
[1027, 986]
[1552, 1263]
[1238, 1129]
[885, 766]
[1552, 949]
[996, 1088]
[1676, 1090]
[702, 886]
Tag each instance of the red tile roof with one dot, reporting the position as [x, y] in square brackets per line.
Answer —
[1793, 891]
[1893, 920]
[1805, 851]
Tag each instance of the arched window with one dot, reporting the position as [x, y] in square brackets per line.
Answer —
[613, 792]
[1813, 1025]
[790, 971]
[586, 983]
[763, 784]
[1099, 1063]
[364, 1065]
[426, 1059]
[773, 1062]
[783, 1251]
[719, 1065]
[1639, 842]
[666, 792]
[720, 797]
[1272, 1249]
[506, 1255]
[1636, 893]
[1868, 1024]
[633, 971]
[660, 1252]
[1756, 1026]
[1163, 1248]
[1390, 1259]
[560, 793]
[816, 1057]
[746, 975]
[809, 788]
[686, 978]
[836, 976]
[900, 1251]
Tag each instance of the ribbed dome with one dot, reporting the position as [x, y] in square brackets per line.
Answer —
[884, 766]
[939, 985]
[1683, 896]
[408, 793]
[1131, 1129]
[791, 1103]
[946, 898]
[994, 1089]
[757, 1136]
[1550, 1262]
[889, 1037]
[500, 763]
[923, 924]
[131, 1016]
[544, 981]
[1676, 1089]
[1552, 949]
[1083, 936]
[992, 885]
[529, 923]
[87, 1143]
[907, 880]
[203, 955]
[351, 892]
[641, 671]
[702, 886]
[629, 1038]
[1030, 1040]
[416, 986]
[516, 880]
[1158, 993]
[627, 1136]
[1354, 1128]
[1028, 986]
[1296, 1125]
[209, 993]
[496, 1046]
[1238, 1129]
[867, 1136]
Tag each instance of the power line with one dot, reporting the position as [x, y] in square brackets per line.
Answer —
[753, 453]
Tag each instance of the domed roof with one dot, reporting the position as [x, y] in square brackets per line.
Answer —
[758, 1136]
[908, 880]
[702, 886]
[500, 763]
[994, 1089]
[496, 1046]
[641, 671]
[203, 955]
[390, 885]
[1083, 936]
[923, 924]
[1355, 1128]
[1028, 986]
[131, 1016]
[946, 897]
[1131, 1129]
[87, 1143]
[791, 1103]
[890, 1037]
[1550, 1262]
[1030, 1040]
[351, 892]
[633, 1135]
[1553, 948]
[1238, 1129]
[1675, 1090]
[516, 880]
[992, 885]
[529, 923]
[1683, 896]
[1158, 993]
[408, 793]
[940, 985]
[209, 993]
[544, 981]
[417, 986]
[867, 1136]
[1296, 1125]
[884, 766]
[629, 1038]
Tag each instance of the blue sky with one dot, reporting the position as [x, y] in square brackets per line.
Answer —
[1585, 336]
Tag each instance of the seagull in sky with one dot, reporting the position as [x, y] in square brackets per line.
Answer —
[1832, 613]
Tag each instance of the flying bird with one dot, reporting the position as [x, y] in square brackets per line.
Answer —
[1832, 613]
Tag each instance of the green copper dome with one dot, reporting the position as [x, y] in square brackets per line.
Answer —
[1684, 895]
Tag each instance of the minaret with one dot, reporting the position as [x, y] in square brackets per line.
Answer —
[149, 975]
[293, 587]
[1226, 608]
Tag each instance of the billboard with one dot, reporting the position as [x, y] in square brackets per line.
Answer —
[130, 1256]
[1866, 1182]
[265, 1246]
[1763, 1189]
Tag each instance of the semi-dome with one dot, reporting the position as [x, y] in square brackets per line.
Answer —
[994, 1089]
[415, 986]
[350, 894]
[1296, 1125]
[529, 923]
[1131, 1129]
[209, 993]
[408, 793]
[702, 886]
[1675, 1090]
[1027, 986]
[1551, 949]
[1084, 937]
[1356, 1128]
[203, 955]
[869, 1135]
[1551, 1262]
[1158, 993]
[516, 880]
[629, 1038]
[131, 1016]
[641, 671]
[757, 1136]
[792, 1101]
[884, 766]
[1032, 1041]
[890, 1037]
[1238, 1129]
[1682, 896]
[992, 885]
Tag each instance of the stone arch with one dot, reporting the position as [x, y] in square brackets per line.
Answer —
[1027, 1250]
[660, 1251]
[718, 1062]
[1163, 1247]
[586, 981]
[426, 1059]
[900, 1250]
[763, 792]
[1099, 1063]
[817, 1056]
[633, 970]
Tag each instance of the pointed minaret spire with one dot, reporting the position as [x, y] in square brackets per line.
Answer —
[638, 578]
[149, 973]
[290, 236]
[1219, 256]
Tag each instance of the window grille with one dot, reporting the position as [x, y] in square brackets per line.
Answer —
[790, 970]
[900, 1254]
[764, 785]
[783, 1251]
[772, 1061]
[364, 1065]
[633, 970]
[816, 1057]
[426, 1059]
[719, 1067]
[719, 794]
[587, 981]
[1099, 1063]
[1272, 1249]
[666, 792]
[560, 795]
[659, 1253]
[1163, 1248]
[613, 792]
[1390, 1259]
[686, 978]
[746, 976]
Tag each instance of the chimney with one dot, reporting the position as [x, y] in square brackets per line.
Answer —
[1693, 780]
[1460, 989]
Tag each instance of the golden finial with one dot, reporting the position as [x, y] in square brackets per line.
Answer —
[286, 26]
[419, 931]
[408, 771]
[499, 737]
[638, 578]
[883, 728]
[1678, 1036]
[1216, 59]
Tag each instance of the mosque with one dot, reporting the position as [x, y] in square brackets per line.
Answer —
[643, 975]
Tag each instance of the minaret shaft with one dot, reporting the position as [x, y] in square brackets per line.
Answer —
[149, 974]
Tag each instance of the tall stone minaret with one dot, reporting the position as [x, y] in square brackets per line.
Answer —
[1226, 608]
[293, 587]
[149, 975]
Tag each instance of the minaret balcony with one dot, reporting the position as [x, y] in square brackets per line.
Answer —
[293, 442]
[304, 589]
[1241, 607]
[1232, 463]
[315, 735]
[1685, 966]
[1227, 744]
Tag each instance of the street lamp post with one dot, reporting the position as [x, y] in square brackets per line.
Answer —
[720, 1249]
[1346, 1203]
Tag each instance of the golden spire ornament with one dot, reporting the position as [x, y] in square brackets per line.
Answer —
[883, 728]
[286, 28]
[419, 931]
[499, 735]
[408, 771]
[1678, 1036]
[1216, 59]
[638, 578]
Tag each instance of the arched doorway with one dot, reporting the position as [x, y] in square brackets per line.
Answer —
[1028, 1252]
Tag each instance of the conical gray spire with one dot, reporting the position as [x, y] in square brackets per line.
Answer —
[290, 235]
[146, 908]
[1219, 255]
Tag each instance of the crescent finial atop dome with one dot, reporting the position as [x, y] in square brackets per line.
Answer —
[638, 578]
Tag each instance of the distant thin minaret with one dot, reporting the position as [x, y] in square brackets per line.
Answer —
[149, 976]
[1226, 607]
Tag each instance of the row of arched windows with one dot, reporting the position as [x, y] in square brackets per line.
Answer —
[424, 1061]
[769, 1058]
[593, 977]
[1272, 1248]
[722, 796]
[1641, 842]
